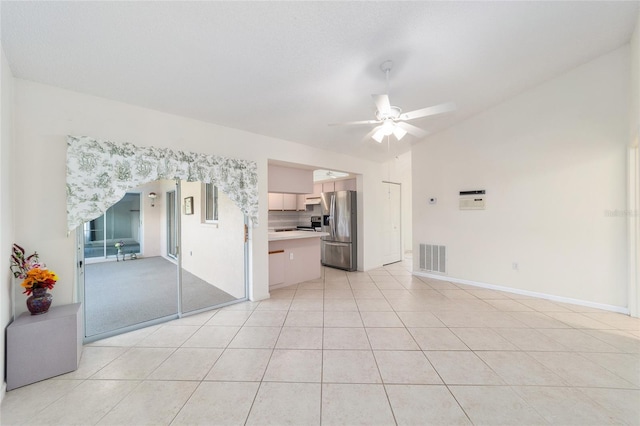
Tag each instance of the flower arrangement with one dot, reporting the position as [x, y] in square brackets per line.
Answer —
[119, 246]
[33, 273]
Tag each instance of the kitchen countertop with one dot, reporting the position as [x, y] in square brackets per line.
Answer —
[294, 235]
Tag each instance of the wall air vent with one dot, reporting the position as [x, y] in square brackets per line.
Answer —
[433, 258]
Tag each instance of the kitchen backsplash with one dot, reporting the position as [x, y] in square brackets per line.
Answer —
[293, 219]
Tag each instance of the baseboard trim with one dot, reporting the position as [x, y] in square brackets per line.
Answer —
[3, 391]
[552, 297]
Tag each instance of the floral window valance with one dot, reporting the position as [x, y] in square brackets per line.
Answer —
[99, 173]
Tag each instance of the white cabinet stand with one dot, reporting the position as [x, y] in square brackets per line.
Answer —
[44, 346]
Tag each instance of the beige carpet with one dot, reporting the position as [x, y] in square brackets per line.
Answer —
[122, 294]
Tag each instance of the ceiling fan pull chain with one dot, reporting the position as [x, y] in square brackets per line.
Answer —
[387, 73]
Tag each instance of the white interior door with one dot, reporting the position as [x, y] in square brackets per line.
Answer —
[391, 229]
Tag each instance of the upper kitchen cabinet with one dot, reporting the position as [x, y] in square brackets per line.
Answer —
[289, 180]
[288, 202]
[339, 185]
[276, 201]
[301, 202]
[317, 190]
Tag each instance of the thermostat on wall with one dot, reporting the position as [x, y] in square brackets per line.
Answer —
[472, 200]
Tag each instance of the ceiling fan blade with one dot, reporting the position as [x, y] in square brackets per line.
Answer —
[382, 103]
[425, 112]
[371, 133]
[356, 123]
[412, 130]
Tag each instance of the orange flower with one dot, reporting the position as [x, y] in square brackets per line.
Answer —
[39, 277]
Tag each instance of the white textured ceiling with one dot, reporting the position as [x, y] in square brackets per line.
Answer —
[288, 69]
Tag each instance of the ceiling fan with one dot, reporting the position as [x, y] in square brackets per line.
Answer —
[391, 120]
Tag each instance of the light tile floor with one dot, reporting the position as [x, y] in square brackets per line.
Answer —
[382, 347]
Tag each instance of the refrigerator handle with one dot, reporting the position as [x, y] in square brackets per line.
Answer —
[332, 216]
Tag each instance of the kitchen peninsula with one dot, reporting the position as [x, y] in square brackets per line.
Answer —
[294, 257]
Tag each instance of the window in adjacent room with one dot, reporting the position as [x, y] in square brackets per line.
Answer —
[211, 203]
[119, 224]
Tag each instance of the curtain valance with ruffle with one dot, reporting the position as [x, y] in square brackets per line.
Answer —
[99, 173]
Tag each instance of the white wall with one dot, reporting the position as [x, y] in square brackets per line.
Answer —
[213, 252]
[553, 162]
[634, 176]
[6, 211]
[44, 115]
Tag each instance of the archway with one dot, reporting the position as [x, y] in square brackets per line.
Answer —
[99, 174]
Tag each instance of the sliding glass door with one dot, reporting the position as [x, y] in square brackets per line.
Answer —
[184, 251]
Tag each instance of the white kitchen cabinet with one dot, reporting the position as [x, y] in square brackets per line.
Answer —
[290, 202]
[301, 204]
[286, 202]
[276, 201]
[276, 267]
[339, 185]
[294, 260]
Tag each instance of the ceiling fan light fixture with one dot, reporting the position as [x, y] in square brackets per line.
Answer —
[322, 175]
[387, 127]
[399, 132]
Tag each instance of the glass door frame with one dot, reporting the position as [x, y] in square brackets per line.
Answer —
[172, 221]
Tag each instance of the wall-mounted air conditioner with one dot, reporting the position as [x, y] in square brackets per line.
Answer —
[472, 200]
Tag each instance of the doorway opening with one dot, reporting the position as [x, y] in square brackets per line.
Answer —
[182, 263]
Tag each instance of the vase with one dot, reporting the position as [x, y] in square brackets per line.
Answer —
[40, 301]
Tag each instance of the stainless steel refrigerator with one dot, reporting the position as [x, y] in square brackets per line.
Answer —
[339, 219]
